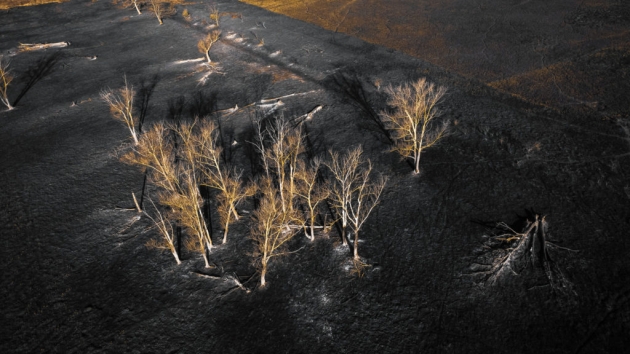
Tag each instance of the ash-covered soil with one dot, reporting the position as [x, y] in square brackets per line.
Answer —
[77, 277]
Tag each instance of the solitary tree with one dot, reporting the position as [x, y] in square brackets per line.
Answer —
[121, 106]
[5, 80]
[135, 4]
[412, 119]
[161, 9]
[272, 227]
[214, 14]
[204, 45]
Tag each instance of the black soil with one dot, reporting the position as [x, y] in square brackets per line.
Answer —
[77, 277]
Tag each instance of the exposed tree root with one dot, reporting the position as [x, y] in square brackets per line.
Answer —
[528, 249]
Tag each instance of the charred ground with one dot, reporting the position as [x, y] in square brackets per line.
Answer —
[77, 276]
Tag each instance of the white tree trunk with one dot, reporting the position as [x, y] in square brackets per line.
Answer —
[225, 232]
[205, 259]
[135, 3]
[262, 276]
[176, 257]
[356, 245]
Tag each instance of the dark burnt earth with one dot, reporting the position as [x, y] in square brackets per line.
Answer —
[77, 277]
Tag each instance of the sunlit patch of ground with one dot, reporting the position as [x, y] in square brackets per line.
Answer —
[8, 4]
[278, 74]
[497, 42]
[598, 81]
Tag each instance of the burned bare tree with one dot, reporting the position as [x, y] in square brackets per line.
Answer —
[204, 45]
[273, 226]
[161, 9]
[365, 196]
[217, 175]
[345, 173]
[136, 4]
[186, 207]
[164, 225]
[5, 80]
[176, 178]
[120, 104]
[311, 192]
[412, 121]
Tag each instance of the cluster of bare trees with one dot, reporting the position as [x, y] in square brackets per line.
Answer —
[291, 189]
[160, 8]
[181, 158]
[184, 157]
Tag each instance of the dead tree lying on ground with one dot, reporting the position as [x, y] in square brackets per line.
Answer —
[529, 248]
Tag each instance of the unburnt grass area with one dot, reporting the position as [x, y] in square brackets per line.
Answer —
[512, 237]
[569, 55]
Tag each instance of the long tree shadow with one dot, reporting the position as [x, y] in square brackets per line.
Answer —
[203, 104]
[36, 73]
[145, 92]
[350, 87]
[144, 96]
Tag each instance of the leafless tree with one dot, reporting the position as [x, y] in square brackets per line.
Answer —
[214, 14]
[120, 104]
[5, 80]
[365, 195]
[178, 181]
[311, 192]
[345, 171]
[186, 207]
[272, 226]
[219, 176]
[137, 4]
[232, 193]
[285, 145]
[156, 153]
[412, 121]
[165, 227]
[161, 9]
[204, 45]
